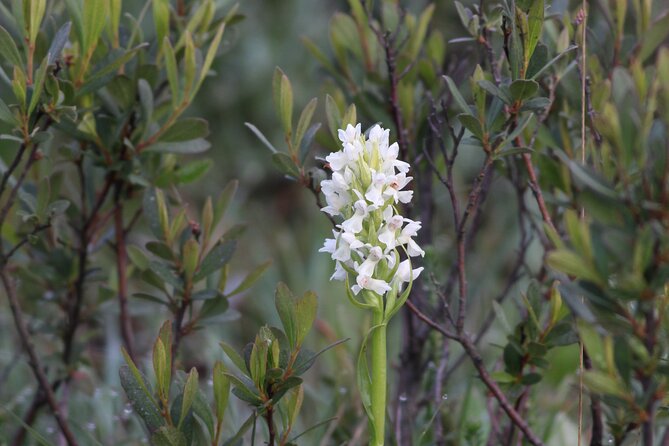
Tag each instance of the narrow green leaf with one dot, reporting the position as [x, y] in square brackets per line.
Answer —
[172, 71]
[535, 23]
[653, 38]
[190, 390]
[93, 22]
[161, 18]
[211, 54]
[286, 105]
[224, 200]
[58, 43]
[215, 259]
[285, 164]
[193, 171]
[192, 147]
[303, 123]
[221, 390]
[214, 307]
[6, 114]
[31, 430]
[364, 379]
[457, 97]
[417, 39]
[495, 91]
[167, 274]
[261, 137]
[37, 9]
[38, 86]
[137, 256]
[190, 65]
[472, 124]
[135, 388]
[185, 130]
[151, 298]
[571, 263]
[600, 382]
[168, 436]
[8, 49]
[107, 72]
[308, 139]
[553, 61]
[234, 357]
[522, 89]
[161, 368]
[333, 115]
[306, 359]
[250, 279]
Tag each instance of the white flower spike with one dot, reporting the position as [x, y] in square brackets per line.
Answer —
[365, 191]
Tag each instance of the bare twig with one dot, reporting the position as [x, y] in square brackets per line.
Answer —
[34, 361]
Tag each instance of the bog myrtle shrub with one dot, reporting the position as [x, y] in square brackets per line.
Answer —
[493, 173]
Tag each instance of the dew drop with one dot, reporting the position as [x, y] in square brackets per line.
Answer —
[444, 396]
[50, 430]
[403, 398]
[343, 390]
[90, 426]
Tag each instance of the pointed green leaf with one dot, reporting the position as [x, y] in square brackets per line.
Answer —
[185, 130]
[168, 436]
[457, 97]
[523, 89]
[250, 279]
[286, 105]
[285, 164]
[190, 390]
[136, 390]
[303, 123]
[234, 357]
[221, 390]
[8, 49]
[333, 116]
[172, 71]
[215, 259]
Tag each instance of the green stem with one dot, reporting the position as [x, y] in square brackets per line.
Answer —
[379, 378]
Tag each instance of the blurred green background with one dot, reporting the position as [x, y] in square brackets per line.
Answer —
[285, 226]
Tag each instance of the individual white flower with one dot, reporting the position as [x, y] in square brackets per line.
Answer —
[367, 267]
[395, 185]
[405, 273]
[350, 135]
[354, 224]
[406, 238]
[345, 244]
[368, 283]
[375, 192]
[388, 232]
[336, 194]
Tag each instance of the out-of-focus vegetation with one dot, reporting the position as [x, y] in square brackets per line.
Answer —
[111, 230]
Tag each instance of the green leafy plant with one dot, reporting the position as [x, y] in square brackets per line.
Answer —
[270, 383]
[91, 119]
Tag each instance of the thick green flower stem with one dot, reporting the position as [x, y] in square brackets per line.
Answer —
[379, 377]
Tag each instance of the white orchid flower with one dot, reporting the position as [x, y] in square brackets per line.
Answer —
[378, 286]
[367, 181]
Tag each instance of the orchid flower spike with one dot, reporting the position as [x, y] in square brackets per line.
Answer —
[365, 192]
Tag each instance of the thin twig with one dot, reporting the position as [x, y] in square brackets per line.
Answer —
[466, 342]
[34, 361]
